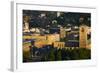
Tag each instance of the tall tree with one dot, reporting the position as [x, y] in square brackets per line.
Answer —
[51, 56]
[58, 55]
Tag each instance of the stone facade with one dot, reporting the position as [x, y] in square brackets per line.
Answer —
[83, 36]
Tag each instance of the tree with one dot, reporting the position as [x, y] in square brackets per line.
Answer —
[84, 53]
[81, 53]
[58, 55]
[75, 54]
[51, 56]
[26, 56]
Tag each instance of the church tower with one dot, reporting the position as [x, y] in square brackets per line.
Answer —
[83, 36]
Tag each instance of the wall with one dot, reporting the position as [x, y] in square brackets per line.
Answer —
[5, 35]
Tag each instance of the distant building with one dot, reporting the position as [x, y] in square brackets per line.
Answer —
[54, 30]
[26, 24]
[40, 44]
[41, 41]
[52, 38]
[26, 27]
[39, 37]
[59, 45]
[36, 30]
[62, 32]
[72, 44]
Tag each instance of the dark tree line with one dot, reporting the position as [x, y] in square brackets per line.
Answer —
[69, 54]
[72, 18]
[54, 54]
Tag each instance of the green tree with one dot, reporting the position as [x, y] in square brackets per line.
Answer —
[51, 56]
[75, 54]
[84, 53]
[58, 55]
[26, 56]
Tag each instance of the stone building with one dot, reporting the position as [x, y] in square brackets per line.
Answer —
[52, 38]
[83, 36]
[62, 32]
[59, 45]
